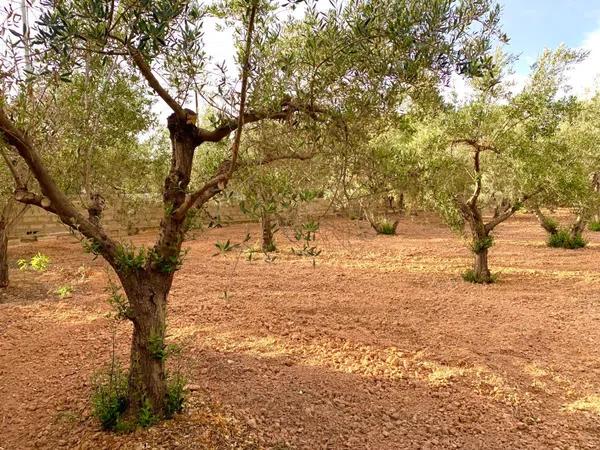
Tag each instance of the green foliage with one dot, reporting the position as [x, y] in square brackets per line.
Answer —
[146, 417]
[472, 277]
[38, 263]
[594, 226]
[551, 225]
[64, 291]
[270, 247]
[92, 246]
[384, 226]
[564, 239]
[130, 259]
[119, 302]
[228, 246]
[167, 264]
[157, 347]
[109, 398]
[306, 233]
[176, 395]
[479, 245]
[225, 247]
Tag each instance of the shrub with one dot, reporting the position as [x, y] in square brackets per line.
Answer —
[594, 226]
[471, 277]
[564, 239]
[109, 399]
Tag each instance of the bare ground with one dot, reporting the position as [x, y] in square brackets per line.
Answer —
[380, 345]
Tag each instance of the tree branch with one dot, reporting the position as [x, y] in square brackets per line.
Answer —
[235, 148]
[475, 144]
[218, 182]
[153, 82]
[508, 212]
[53, 199]
[287, 109]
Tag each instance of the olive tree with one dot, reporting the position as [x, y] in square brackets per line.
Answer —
[579, 188]
[348, 58]
[498, 145]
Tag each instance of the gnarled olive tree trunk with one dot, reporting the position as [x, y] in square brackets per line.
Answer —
[147, 296]
[268, 239]
[576, 229]
[147, 288]
[481, 269]
[546, 223]
[3, 253]
[480, 245]
[481, 231]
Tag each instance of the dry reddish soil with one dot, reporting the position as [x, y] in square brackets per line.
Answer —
[380, 345]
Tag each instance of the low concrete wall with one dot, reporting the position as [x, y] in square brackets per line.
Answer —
[37, 223]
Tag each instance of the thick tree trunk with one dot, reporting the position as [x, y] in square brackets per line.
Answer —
[268, 243]
[3, 254]
[147, 295]
[147, 288]
[480, 267]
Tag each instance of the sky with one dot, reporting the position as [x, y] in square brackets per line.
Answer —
[533, 25]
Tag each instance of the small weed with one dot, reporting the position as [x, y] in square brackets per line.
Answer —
[146, 417]
[176, 395]
[38, 263]
[228, 246]
[306, 234]
[109, 399]
[271, 247]
[384, 226]
[64, 291]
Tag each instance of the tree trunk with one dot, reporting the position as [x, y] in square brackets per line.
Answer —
[147, 295]
[480, 267]
[578, 226]
[147, 288]
[268, 243]
[95, 208]
[547, 224]
[3, 254]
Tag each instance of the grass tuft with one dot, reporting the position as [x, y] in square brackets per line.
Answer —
[471, 277]
[594, 226]
[564, 239]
